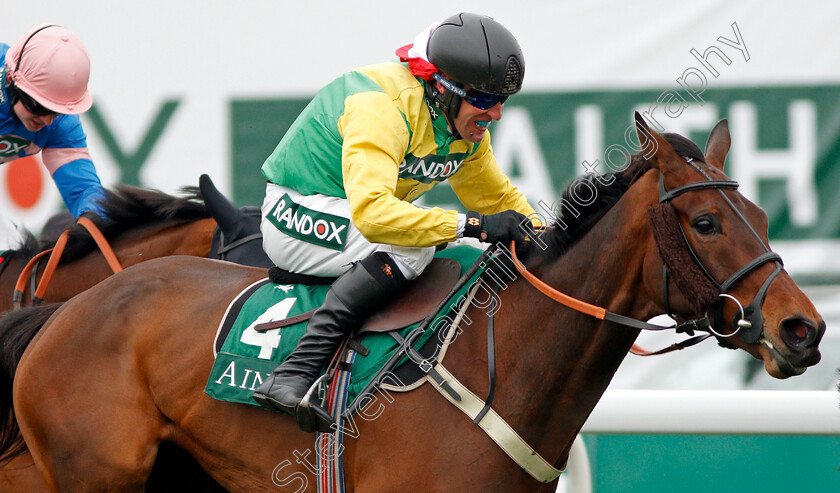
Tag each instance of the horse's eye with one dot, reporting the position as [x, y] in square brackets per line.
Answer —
[704, 225]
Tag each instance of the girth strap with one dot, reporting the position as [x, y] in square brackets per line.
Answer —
[491, 363]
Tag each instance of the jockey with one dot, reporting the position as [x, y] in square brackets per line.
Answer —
[342, 179]
[45, 75]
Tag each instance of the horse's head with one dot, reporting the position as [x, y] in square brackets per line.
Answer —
[713, 244]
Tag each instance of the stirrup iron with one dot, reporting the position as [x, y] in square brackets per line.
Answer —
[310, 416]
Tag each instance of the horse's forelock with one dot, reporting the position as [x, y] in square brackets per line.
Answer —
[684, 146]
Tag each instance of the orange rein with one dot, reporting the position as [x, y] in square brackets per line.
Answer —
[52, 264]
[564, 299]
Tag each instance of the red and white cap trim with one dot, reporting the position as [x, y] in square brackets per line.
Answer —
[416, 54]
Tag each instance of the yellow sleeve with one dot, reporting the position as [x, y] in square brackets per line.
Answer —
[376, 138]
[482, 187]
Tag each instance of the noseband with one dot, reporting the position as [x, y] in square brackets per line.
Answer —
[703, 290]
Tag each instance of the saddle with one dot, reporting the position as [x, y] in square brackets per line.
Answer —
[264, 322]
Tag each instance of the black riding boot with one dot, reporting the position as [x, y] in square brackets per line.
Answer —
[353, 297]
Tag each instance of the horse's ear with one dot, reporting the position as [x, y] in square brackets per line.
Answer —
[717, 147]
[646, 142]
[653, 147]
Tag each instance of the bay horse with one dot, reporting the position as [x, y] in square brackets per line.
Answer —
[122, 367]
[141, 224]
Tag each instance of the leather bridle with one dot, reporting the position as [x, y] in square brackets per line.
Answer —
[748, 321]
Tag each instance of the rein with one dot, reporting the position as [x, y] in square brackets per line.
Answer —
[578, 305]
[55, 255]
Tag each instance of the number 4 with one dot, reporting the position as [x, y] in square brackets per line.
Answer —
[269, 340]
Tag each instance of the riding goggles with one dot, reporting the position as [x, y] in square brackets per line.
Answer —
[33, 106]
[483, 100]
[479, 99]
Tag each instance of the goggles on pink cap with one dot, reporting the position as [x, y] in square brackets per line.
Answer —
[50, 68]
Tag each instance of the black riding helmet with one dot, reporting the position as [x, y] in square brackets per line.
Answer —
[474, 51]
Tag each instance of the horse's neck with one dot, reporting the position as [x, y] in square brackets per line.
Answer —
[131, 247]
[184, 238]
[553, 363]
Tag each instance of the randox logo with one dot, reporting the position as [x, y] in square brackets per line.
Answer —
[305, 224]
[427, 170]
[432, 110]
[10, 146]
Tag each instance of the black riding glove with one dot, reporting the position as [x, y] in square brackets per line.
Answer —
[502, 227]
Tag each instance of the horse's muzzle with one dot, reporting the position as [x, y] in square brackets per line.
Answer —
[801, 337]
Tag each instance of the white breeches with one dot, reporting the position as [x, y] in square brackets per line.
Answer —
[301, 256]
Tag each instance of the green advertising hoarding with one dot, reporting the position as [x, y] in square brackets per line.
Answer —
[790, 166]
[713, 463]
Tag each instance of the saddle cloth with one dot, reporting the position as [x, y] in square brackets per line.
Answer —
[245, 356]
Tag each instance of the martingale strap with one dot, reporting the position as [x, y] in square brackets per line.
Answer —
[480, 411]
[496, 428]
[460, 396]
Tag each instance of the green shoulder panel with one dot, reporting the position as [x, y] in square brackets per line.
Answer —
[308, 157]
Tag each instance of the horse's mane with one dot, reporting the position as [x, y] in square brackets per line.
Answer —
[27, 250]
[568, 228]
[127, 208]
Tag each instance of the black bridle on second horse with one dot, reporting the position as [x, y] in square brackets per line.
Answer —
[748, 322]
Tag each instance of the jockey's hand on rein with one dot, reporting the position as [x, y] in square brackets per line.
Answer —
[502, 227]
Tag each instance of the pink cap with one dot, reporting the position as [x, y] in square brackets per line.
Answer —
[54, 69]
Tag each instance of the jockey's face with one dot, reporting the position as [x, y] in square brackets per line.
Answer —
[472, 122]
[33, 123]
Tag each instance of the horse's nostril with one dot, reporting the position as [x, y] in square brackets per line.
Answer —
[800, 330]
[797, 332]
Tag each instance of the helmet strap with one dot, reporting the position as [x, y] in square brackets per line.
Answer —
[11, 89]
[448, 102]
